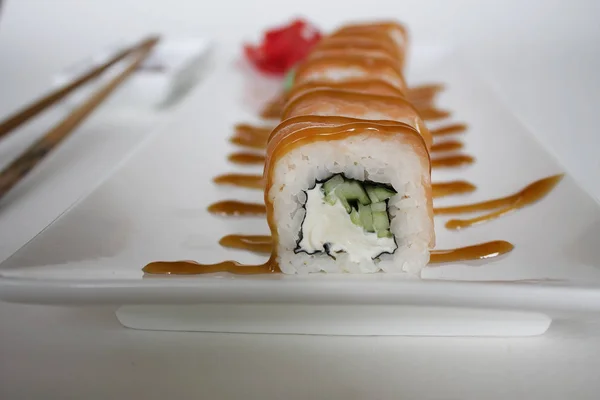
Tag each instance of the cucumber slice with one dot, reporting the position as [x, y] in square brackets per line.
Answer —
[345, 203]
[363, 198]
[383, 193]
[384, 234]
[333, 182]
[379, 193]
[330, 199]
[378, 207]
[366, 217]
[372, 193]
[355, 217]
[381, 221]
[352, 190]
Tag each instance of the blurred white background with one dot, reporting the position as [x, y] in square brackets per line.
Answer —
[541, 57]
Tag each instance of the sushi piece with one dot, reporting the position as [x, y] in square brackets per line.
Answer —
[370, 86]
[350, 67]
[394, 30]
[357, 105]
[348, 195]
[356, 44]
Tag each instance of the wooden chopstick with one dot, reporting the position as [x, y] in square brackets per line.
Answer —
[32, 110]
[16, 170]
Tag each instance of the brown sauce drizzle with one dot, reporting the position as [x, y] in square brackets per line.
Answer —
[253, 243]
[372, 86]
[528, 195]
[254, 143]
[194, 268]
[386, 61]
[256, 137]
[251, 136]
[475, 252]
[359, 101]
[263, 244]
[253, 158]
[274, 108]
[253, 130]
[423, 93]
[449, 145]
[241, 180]
[450, 188]
[237, 208]
[247, 158]
[433, 114]
[452, 161]
[256, 182]
[357, 105]
[420, 96]
[449, 130]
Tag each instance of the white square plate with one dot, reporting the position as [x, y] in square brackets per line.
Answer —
[154, 208]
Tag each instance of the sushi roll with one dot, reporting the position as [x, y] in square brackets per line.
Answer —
[347, 171]
[348, 195]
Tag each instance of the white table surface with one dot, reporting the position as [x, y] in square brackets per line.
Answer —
[541, 57]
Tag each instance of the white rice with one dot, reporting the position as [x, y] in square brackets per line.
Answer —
[362, 157]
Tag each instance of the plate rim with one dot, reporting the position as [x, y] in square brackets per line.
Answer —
[538, 296]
